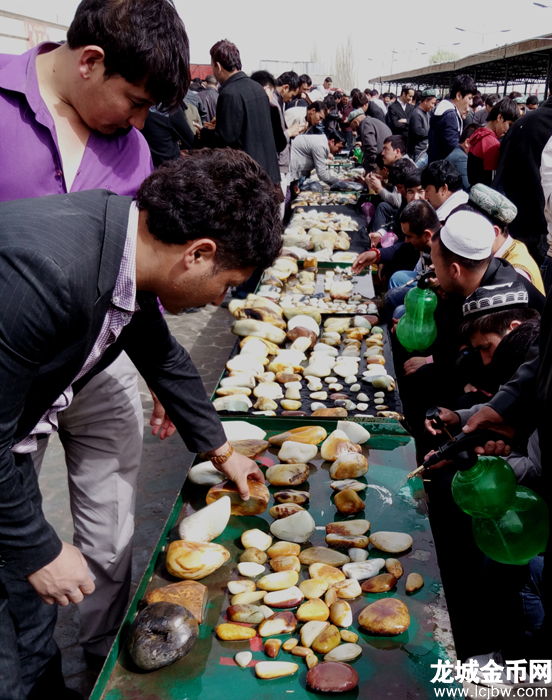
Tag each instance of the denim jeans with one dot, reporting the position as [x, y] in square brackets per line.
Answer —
[401, 277]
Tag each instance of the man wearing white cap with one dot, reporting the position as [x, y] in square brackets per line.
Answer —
[462, 255]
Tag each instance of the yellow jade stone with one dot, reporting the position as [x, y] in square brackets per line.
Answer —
[310, 435]
[328, 573]
[314, 609]
[232, 633]
[313, 587]
[284, 549]
[348, 636]
[289, 563]
[327, 640]
[289, 644]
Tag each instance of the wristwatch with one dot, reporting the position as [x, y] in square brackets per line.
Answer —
[219, 460]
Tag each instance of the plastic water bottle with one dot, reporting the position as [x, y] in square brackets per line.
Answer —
[510, 523]
[417, 330]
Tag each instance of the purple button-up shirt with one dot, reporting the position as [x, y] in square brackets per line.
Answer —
[30, 160]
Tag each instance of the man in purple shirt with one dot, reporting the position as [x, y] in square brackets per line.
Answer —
[69, 116]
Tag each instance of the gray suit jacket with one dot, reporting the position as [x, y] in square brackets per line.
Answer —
[59, 261]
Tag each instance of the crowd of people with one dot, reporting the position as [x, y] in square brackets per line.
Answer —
[128, 189]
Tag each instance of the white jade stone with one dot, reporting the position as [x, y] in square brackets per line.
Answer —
[207, 523]
[243, 658]
[357, 555]
[311, 630]
[295, 528]
[354, 431]
[205, 474]
[256, 538]
[241, 430]
[249, 568]
[391, 541]
[364, 569]
[297, 452]
[344, 652]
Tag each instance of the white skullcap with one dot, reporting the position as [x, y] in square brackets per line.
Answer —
[468, 234]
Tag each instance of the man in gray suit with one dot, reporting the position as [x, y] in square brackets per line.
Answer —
[80, 275]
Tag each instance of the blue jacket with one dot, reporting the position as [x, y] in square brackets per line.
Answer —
[459, 158]
[445, 127]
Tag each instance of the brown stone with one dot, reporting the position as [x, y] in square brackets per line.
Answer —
[283, 510]
[289, 563]
[301, 651]
[394, 567]
[252, 614]
[250, 448]
[289, 644]
[284, 549]
[287, 474]
[190, 594]
[323, 555]
[272, 647]
[297, 414]
[259, 496]
[330, 413]
[332, 677]
[348, 502]
[386, 617]
[292, 496]
[348, 636]
[337, 397]
[283, 622]
[413, 583]
[254, 555]
[327, 640]
[284, 377]
[379, 584]
[311, 435]
[330, 574]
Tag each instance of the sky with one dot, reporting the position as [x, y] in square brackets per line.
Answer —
[288, 31]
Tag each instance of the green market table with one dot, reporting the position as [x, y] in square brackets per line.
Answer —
[389, 667]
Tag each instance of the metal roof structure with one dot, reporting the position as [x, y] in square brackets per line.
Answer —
[528, 61]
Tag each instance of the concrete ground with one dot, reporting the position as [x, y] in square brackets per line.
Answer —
[206, 335]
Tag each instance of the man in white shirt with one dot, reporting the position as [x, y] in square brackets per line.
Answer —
[311, 151]
[443, 187]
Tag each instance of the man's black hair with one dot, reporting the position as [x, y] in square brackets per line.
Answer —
[289, 78]
[221, 194]
[397, 142]
[386, 94]
[354, 92]
[399, 170]
[514, 347]
[330, 102]
[463, 84]
[417, 96]
[392, 96]
[318, 106]
[264, 78]
[374, 93]
[379, 162]
[413, 178]
[514, 94]
[507, 108]
[449, 257]
[497, 321]
[492, 100]
[328, 79]
[144, 42]
[420, 216]
[335, 135]
[440, 173]
[210, 79]
[406, 89]
[532, 100]
[468, 131]
[359, 100]
[305, 79]
[227, 54]
[477, 102]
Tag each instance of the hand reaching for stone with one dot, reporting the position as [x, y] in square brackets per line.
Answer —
[239, 469]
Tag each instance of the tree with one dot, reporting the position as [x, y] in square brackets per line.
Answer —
[344, 71]
[443, 56]
[314, 55]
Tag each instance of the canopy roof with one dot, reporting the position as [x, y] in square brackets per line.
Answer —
[526, 61]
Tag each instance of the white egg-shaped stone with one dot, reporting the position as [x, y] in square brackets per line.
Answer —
[207, 523]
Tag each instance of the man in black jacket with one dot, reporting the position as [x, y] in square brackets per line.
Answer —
[418, 126]
[400, 111]
[518, 177]
[372, 133]
[243, 113]
[210, 96]
[77, 295]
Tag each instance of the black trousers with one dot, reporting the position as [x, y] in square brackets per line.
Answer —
[30, 663]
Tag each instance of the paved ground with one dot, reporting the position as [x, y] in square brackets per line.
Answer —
[207, 338]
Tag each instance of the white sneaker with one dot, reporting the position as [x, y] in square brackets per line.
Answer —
[495, 663]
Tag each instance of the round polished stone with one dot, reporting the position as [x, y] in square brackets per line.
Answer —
[332, 677]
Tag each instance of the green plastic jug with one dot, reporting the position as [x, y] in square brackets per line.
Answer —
[487, 489]
[519, 534]
[358, 154]
[417, 330]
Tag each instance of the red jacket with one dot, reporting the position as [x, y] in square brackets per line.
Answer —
[485, 145]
